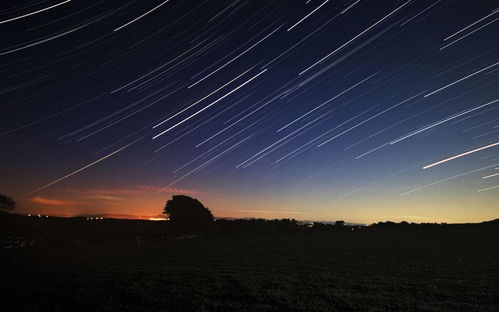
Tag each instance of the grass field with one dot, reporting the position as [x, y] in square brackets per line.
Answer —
[426, 270]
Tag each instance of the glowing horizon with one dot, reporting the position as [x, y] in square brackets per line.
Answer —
[364, 111]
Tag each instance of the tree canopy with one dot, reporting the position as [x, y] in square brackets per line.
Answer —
[7, 203]
[188, 214]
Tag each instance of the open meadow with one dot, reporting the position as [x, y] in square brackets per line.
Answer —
[441, 268]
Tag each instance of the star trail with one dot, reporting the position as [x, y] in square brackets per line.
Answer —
[361, 110]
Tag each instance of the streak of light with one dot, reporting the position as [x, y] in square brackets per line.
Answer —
[200, 100]
[150, 81]
[460, 38]
[441, 122]
[461, 79]
[240, 119]
[82, 168]
[304, 146]
[468, 61]
[209, 105]
[326, 102]
[403, 170]
[53, 21]
[199, 125]
[156, 69]
[406, 119]
[474, 115]
[234, 58]
[490, 176]
[445, 180]
[460, 31]
[247, 161]
[354, 38]
[214, 147]
[50, 116]
[37, 138]
[488, 188]
[372, 150]
[119, 112]
[33, 13]
[349, 7]
[485, 134]
[141, 16]
[432, 5]
[223, 11]
[29, 45]
[300, 42]
[368, 119]
[393, 125]
[306, 16]
[207, 162]
[347, 55]
[461, 155]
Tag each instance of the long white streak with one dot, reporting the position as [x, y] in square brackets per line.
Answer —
[283, 143]
[33, 13]
[419, 13]
[126, 116]
[445, 180]
[82, 168]
[209, 105]
[331, 99]
[480, 125]
[368, 119]
[239, 120]
[156, 69]
[214, 147]
[490, 176]
[199, 125]
[50, 116]
[354, 38]
[200, 100]
[322, 135]
[461, 155]
[141, 16]
[207, 162]
[349, 7]
[146, 84]
[297, 23]
[485, 134]
[488, 188]
[233, 59]
[280, 140]
[461, 79]
[441, 122]
[474, 31]
[388, 128]
[45, 40]
[460, 31]
[372, 150]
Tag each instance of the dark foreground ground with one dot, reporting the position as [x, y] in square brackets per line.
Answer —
[447, 269]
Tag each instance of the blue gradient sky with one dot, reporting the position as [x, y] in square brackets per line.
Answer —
[260, 109]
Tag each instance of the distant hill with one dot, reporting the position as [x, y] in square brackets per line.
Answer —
[492, 222]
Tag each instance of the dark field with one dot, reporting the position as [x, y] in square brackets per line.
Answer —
[449, 268]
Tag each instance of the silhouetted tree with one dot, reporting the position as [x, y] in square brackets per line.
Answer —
[7, 203]
[188, 215]
[339, 223]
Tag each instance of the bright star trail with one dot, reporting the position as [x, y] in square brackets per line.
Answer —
[354, 109]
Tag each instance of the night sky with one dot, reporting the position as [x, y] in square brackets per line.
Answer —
[316, 110]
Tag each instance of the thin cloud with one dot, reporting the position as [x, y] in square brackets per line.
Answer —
[132, 190]
[101, 197]
[53, 202]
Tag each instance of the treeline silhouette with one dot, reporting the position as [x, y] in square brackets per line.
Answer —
[186, 218]
[29, 231]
